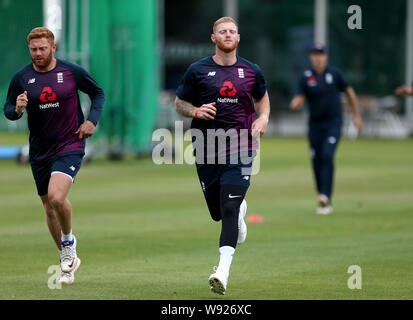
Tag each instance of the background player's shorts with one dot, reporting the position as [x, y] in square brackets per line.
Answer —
[324, 141]
[67, 163]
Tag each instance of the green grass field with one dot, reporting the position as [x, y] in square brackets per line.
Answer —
[144, 231]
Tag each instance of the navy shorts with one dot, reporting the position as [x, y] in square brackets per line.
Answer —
[219, 174]
[67, 163]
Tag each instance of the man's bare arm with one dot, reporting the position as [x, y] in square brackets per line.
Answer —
[297, 102]
[263, 109]
[351, 96]
[186, 109]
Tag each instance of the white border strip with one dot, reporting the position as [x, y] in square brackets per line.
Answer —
[64, 174]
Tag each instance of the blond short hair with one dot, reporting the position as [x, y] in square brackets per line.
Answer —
[223, 20]
[41, 32]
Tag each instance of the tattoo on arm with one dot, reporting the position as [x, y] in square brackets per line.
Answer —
[184, 108]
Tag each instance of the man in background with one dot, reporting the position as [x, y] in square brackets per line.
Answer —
[322, 86]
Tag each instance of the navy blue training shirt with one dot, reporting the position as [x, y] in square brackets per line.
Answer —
[323, 92]
[233, 88]
[53, 110]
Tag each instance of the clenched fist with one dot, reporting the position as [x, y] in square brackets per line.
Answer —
[206, 111]
[86, 130]
[404, 90]
[21, 102]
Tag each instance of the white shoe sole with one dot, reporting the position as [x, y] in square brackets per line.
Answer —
[66, 280]
[216, 285]
[72, 279]
[322, 211]
[242, 231]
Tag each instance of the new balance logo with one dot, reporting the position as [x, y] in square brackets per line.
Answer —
[72, 168]
[246, 178]
[33, 80]
[211, 73]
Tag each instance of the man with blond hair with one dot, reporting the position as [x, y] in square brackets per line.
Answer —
[47, 89]
[219, 92]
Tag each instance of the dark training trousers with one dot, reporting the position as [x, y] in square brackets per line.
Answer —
[224, 187]
[323, 144]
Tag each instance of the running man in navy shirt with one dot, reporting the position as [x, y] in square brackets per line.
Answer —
[218, 92]
[322, 86]
[47, 89]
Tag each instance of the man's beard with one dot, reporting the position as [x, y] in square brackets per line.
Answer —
[226, 47]
[45, 62]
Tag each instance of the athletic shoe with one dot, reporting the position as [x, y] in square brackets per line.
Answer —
[324, 210]
[66, 278]
[68, 257]
[242, 226]
[218, 282]
[69, 277]
[324, 206]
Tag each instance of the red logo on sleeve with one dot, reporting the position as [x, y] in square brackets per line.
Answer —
[227, 89]
[47, 95]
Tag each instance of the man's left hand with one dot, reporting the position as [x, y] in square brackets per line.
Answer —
[259, 126]
[86, 130]
[358, 122]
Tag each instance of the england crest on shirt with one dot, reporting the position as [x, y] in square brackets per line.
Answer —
[329, 78]
[60, 77]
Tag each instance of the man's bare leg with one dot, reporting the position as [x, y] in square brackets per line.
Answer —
[59, 186]
[52, 221]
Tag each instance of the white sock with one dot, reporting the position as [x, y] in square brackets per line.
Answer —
[67, 237]
[225, 258]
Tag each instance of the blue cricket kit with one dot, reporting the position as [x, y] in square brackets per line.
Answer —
[232, 88]
[54, 112]
[323, 93]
